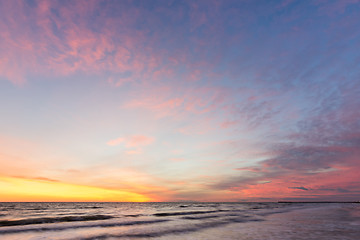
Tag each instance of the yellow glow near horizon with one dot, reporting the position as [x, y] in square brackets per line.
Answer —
[24, 189]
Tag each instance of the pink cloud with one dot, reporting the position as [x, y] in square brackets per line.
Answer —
[116, 141]
[228, 124]
[309, 172]
[251, 169]
[175, 100]
[132, 142]
[138, 140]
[118, 82]
[177, 159]
[63, 44]
[134, 152]
[198, 127]
[162, 101]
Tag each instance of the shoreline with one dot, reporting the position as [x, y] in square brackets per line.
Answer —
[310, 223]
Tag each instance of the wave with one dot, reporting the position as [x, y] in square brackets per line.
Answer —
[133, 215]
[28, 221]
[165, 214]
[202, 217]
[180, 230]
[87, 225]
[36, 208]
[214, 216]
[90, 207]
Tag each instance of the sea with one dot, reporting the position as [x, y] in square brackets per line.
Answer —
[179, 220]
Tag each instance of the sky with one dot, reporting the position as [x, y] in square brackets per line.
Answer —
[244, 100]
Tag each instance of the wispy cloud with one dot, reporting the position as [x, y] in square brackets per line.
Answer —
[132, 141]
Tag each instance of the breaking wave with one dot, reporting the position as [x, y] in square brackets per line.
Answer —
[88, 225]
[53, 220]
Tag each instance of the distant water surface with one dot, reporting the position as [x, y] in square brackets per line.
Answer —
[179, 221]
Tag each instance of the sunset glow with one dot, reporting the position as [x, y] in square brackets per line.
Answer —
[179, 100]
[20, 189]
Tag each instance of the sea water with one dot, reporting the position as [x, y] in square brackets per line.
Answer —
[179, 221]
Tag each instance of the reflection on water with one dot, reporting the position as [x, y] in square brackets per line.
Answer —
[179, 220]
